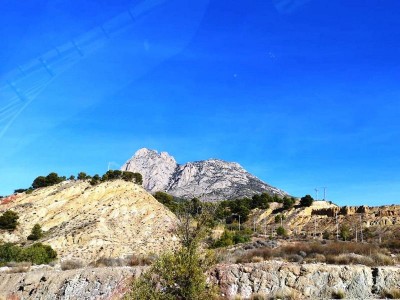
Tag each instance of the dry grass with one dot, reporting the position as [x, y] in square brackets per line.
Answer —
[71, 264]
[131, 261]
[393, 293]
[18, 267]
[332, 252]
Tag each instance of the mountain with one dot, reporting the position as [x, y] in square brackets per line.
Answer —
[208, 180]
[112, 219]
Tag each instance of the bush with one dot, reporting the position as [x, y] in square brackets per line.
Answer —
[281, 231]
[36, 253]
[338, 294]
[71, 264]
[9, 220]
[393, 293]
[36, 233]
[9, 252]
[288, 202]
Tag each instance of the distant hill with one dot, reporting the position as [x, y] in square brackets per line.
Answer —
[208, 180]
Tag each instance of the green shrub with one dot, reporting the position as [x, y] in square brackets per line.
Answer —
[9, 252]
[9, 220]
[36, 233]
[281, 231]
[36, 253]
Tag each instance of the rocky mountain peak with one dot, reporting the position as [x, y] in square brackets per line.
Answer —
[156, 168]
[210, 180]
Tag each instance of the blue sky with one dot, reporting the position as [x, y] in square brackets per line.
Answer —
[303, 94]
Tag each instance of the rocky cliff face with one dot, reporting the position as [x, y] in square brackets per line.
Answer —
[277, 279]
[112, 219]
[209, 180]
[308, 281]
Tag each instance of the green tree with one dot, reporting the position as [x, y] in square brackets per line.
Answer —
[167, 200]
[53, 179]
[307, 200]
[9, 220]
[288, 202]
[36, 233]
[39, 182]
[95, 179]
[82, 176]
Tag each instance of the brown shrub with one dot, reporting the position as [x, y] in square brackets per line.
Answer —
[18, 267]
[71, 264]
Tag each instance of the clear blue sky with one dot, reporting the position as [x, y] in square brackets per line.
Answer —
[302, 94]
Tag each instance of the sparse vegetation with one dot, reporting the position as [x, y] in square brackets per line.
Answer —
[71, 264]
[332, 253]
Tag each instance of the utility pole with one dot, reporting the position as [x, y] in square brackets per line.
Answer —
[315, 228]
[361, 231]
[325, 192]
[254, 224]
[316, 192]
[239, 222]
[356, 232]
[337, 228]
[265, 226]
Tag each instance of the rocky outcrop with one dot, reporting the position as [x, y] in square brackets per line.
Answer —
[85, 284]
[271, 278]
[208, 180]
[84, 222]
[305, 281]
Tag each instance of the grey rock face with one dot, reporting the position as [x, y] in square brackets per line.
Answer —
[308, 281]
[210, 180]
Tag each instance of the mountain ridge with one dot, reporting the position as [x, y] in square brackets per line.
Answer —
[210, 180]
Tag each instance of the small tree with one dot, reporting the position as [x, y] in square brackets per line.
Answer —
[288, 202]
[179, 274]
[36, 233]
[307, 200]
[9, 220]
[82, 176]
[345, 232]
[281, 231]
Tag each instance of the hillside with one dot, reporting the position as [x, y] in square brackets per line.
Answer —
[112, 219]
[208, 180]
[377, 222]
